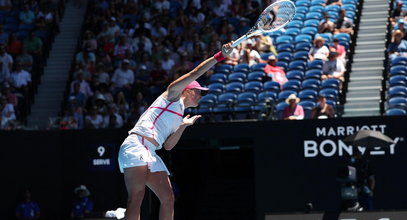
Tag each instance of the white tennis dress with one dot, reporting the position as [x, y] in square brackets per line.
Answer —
[159, 121]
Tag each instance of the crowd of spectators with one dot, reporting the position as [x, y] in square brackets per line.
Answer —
[22, 53]
[131, 50]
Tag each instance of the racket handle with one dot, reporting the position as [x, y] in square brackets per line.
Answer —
[238, 41]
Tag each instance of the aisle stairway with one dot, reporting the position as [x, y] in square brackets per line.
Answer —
[364, 86]
[51, 90]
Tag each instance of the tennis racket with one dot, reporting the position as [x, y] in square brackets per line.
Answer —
[274, 17]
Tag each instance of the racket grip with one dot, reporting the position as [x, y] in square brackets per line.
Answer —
[238, 41]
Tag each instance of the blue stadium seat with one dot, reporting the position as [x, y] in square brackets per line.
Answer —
[284, 39]
[218, 78]
[342, 37]
[206, 103]
[256, 76]
[297, 65]
[307, 106]
[265, 56]
[398, 80]
[398, 70]
[313, 74]
[302, 38]
[253, 86]
[272, 86]
[351, 15]
[225, 103]
[396, 111]
[316, 8]
[301, 9]
[302, 3]
[315, 64]
[399, 61]
[299, 17]
[397, 91]
[295, 23]
[301, 55]
[237, 77]
[313, 15]
[311, 23]
[304, 46]
[398, 102]
[267, 97]
[295, 74]
[241, 67]
[293, 85]
[285, 48]
[330, 83]
[284, 56]
[327, 37]
[349, 7]
[282, 64]
[332, 8]
[308, 95]
[216, 88]
[317, 2]
[245, 102]
[292, 32]
[309, 31]
[257, 67]
[329, 93]
[223, 68]
[283, 95]
[350, 2]
[234, 87]
[313, 84]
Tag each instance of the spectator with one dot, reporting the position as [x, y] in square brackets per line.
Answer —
[397, 13]
[26, 15]
[94, 120]
[113, 29]
[5, 5]
[46, 14]
[249, 55]
[112, 119]
[80, 97]
[3, 35]
[122, 48]
[265, 44]
[319, 51]
[123, 107]
[343, 24]
[25, 59]
[6, 62]
[398, 46]
[85, 56]
[220, 8]
[293, 111]
[33, 44]
[100, 76]
[84, 86]
[275, 72]
[90, 41]
[68, 120]
[340, 49]
[27, 209]
[20, 79]
[7, 117]
[333, 68]
[401, 26]
[326, 26]
[144, 41]
[14, 45]
[123, 78]
[167, 63]
[83, 204]
[10, 96]
[322, 110]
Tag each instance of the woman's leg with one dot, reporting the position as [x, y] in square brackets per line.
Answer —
[160, 184]
[135, 179]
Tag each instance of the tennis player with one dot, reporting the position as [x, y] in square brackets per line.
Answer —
[161, 125]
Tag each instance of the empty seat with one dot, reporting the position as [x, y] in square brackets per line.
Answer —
[396, 111]
[216, 88]
[223, 68]
[253, 86]
[257, 67]
[330, 83]
[272, 86]
[313, 74]
[293, 85]
[256, 76]
[303, 38]
[237, 77]
[234, 87]
[303, 46]
[315, 64]
[295, 23]
[218, 78]
[297, 65]
[398, 70]
[308, 95]
[241, 67]
[295, 74]
[301, 55]
[309, 31]
[397, 91]
[307, 107]
[284, 56]
[398, 102]
[313, 84]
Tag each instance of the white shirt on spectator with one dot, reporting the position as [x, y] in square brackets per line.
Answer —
[103, 77]
[96, 121]
[221, 10]
[252, 56]
[7, 115]
[20, 79]
[7, 108]
[119, 120]
[167, 64]
[123, 77]
[158, 32]
[148, 46]
[320, 53]
[198, 19]
[160, 5]
[333, 67]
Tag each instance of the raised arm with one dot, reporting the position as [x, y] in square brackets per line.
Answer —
[174, 90]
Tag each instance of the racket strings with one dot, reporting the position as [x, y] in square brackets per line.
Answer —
[276, 15]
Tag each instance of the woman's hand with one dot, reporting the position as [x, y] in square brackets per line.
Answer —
[227, 49]
[188, 120]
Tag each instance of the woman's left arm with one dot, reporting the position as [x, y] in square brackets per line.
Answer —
[173, 139]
